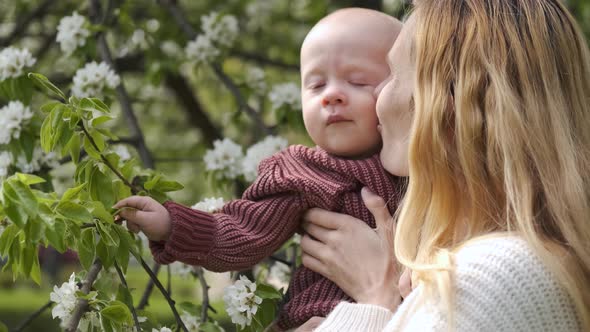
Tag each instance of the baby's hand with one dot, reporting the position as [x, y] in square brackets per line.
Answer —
[147, 215]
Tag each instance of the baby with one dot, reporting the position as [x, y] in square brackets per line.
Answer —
[343, 60]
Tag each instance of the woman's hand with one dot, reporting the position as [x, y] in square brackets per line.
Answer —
[356, 257]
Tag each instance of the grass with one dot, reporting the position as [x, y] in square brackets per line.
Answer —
[20, 299]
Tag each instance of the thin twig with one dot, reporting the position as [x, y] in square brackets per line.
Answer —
[105, 161]
[124, 282]
[32, 317]
[205, 304]
[261, 59]
[170, 301]
[82, 304]
[169, 281]
[148, 289]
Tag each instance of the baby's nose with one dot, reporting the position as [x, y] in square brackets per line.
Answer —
[333, 97]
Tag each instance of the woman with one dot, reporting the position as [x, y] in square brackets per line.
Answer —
[495, 225]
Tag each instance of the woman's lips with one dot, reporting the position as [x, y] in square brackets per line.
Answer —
[335, 118]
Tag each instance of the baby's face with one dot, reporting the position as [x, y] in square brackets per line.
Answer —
[339, 73]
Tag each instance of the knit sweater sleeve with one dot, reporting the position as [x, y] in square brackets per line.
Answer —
[499, 285]
[243, 233]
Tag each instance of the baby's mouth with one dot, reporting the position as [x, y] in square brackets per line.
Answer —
[335, 118]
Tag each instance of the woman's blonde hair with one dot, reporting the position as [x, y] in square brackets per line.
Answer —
[501, 138]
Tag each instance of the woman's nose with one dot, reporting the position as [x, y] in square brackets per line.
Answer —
[334, 96]
[380, 87]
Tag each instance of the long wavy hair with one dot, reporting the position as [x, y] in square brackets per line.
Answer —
[502, 124]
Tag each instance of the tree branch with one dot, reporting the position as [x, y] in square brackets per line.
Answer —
[148, 289]
[32, 317]
[82, 304]
[124, 282]
[205, 287]
[188, 30]
[262, 60]
[122, 94]
[170, 301]
[180, 87]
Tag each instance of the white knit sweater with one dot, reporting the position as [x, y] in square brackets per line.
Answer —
[500, 285]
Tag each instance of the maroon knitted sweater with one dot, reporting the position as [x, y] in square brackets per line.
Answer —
[250, 229]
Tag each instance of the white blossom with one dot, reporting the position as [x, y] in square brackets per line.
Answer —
[240, 301]
[296, 238]
[259, 13]
[259, 151]
[279, 275]
[171, 48]
[122, 151]
[2, 228]
[65, 299]
[226, 158]
[209, 204]
[5, 162]
[152, 25]
[220, 30]
[12, 118]
[163, 329]
[39, 159]
[255, 80]
[13, 62]
[180, 269]
[92, 79]
[201, 50]
[285, 94]
[71, 33]
[89, 321]
[138, 40]
[191, 322]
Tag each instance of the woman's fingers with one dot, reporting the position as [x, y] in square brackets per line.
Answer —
[378, 208]
[136, 202]
[317, 232]
[324, 218]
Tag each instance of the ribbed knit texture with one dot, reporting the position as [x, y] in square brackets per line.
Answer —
[500, 285]
[252, 228]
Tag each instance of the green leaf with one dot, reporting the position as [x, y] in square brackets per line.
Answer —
[72, 193]
[149, 185]
[90, 149]
[117, 312]
[267, 292]
[26, 259]
[46, 86]
[87, 248]
[16, 214]
[34, 230]
[106, 254]
[166, 186]
[73, 211]
[24, 195]
[124, 295]
[93, 104]
[74, 147]
[120, 190]
[123, 249]
[107, 324]
[108, 235]
[29, 179]
[36, 269]
[6, 239]
[27, 144]
[98, 140]
[55, 234]
[209, 327]
[101, 188]
[100, 120]
[48, 107]
[46, 135]
[266, 313]
[99, 211]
